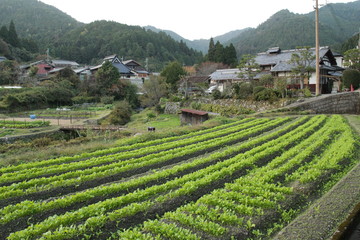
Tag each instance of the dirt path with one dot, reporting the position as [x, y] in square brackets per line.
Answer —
[323, 218]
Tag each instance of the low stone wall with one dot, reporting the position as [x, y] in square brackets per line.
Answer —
[172, 108]
[339, 103]
[256, 106]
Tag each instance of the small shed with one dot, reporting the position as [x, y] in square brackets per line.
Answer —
[190, 116]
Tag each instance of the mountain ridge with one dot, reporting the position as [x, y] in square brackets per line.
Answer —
[48, 26]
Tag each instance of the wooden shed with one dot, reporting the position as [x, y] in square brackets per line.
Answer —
[190, 116]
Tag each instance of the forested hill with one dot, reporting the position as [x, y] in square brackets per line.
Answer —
[89, 43]
[93, 41]
[200, 44]
[36, 20]
[338, 22]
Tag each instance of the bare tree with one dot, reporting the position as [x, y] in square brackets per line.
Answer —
[302, 62]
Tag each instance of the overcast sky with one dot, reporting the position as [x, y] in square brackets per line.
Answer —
[192, 19]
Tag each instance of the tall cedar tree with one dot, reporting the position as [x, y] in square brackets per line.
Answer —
[13, 37]
[220, 54]
[211, 51]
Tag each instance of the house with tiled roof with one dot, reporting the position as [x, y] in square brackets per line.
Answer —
[277, 63]
[136, 68]
[124, 71]
[224, 78]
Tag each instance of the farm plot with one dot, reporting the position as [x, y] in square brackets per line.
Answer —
[243, 180]
[23, 124]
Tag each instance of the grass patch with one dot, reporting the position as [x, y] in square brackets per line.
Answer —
[147, 118]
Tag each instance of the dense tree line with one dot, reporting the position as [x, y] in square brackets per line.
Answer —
[36, 20]
[14, 47]
[220, 54]
[96, 40]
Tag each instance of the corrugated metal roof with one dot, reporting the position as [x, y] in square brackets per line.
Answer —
[196, 112]
[65, 62]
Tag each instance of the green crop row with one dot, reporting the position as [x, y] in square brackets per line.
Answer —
[79, 176]
[29, 207]
[23, 124]
[252, 194]
[132, 147]
[139, 200]
[32, 172]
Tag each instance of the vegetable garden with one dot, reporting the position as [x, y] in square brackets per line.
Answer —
[23, 124]
[243, 180]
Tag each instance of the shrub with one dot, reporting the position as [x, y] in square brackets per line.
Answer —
[258, 89]
[107, 99]
[351, 77]
[195, 105]
[83, 99]
[266, 94]
[216, 94]
[121, 114]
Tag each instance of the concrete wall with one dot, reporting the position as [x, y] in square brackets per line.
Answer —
[339, 103]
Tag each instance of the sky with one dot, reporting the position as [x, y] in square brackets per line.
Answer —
[191, 19]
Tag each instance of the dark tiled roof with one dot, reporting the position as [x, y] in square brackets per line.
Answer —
[284, 56]
[122, 68]
[225, 74]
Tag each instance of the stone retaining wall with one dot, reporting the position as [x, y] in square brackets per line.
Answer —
[339, 103]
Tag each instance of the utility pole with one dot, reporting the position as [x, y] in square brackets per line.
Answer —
[359, 40]
[317, 87]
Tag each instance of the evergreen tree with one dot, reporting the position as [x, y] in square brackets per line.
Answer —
[219, 52]
[13, 37]
[230, 56]
[211, 51]
[4, 33]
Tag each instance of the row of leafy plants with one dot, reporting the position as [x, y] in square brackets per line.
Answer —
[23, 124]
[32, 180]
[138, 201]
[241, 190]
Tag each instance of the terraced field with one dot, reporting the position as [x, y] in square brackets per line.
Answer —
[243, 180]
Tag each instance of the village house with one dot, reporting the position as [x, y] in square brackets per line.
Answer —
[46, 68]
[224, 78]
[277, 63]
[124, 71]
[140, 74]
